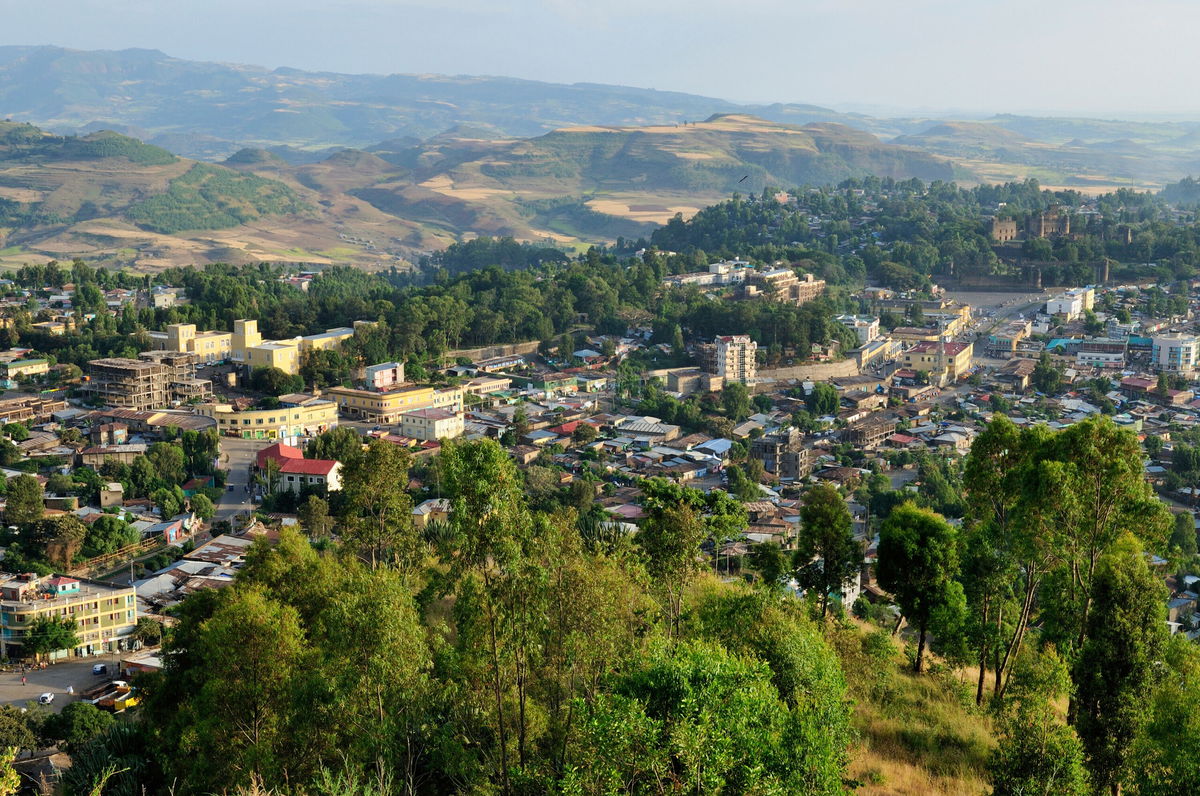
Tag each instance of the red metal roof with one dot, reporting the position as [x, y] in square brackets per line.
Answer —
[279, 452]
[307, 466]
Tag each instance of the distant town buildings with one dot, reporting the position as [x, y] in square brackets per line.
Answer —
[389, 406]
[431, 424]
[783, 454]
[782, 284]
[298, 415]
[944, 362]
[384, 375]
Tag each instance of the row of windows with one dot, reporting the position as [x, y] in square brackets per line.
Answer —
[257, 421]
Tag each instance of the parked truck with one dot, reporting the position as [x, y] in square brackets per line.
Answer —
[115, 696]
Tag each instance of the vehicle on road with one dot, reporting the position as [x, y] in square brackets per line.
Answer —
[100, 668]
[115, 696]
[46, 698]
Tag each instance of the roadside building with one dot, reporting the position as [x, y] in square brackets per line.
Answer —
[388, 406]
[945, 363]
[298, 415]
[105, 614]
[1102, 352]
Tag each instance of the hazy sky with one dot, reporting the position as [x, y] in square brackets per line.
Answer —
[1096, 56]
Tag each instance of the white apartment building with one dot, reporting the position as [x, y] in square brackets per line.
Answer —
[736, 358]
[1175, 353]
[1073, 303]
[865, 326]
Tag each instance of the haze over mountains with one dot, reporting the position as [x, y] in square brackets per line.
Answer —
[323, 167]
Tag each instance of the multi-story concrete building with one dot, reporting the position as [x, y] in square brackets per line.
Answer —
[246, 345]
[944, 362]
[431, 424]
[32, 407]
[389, 406]
[384, 375]
[1002, 343]
[105, 614]
[208, 347]
[783, 454]
[155, 380]
[733, 358]
[865, 326]
[870, 432]
[24, 368]
[1072, 304]
[298, 415]
[1102, 352]
[1175, 353]
[782, 284]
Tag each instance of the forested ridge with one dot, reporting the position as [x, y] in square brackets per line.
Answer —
[904, 233]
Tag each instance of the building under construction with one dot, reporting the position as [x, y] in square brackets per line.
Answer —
[155, 380]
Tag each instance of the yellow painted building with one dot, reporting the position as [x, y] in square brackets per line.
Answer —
[387, 407]
[249, 346]
[246, 345]
[105, 614]
[282, 355]
[25, 368]
[944, 362]
[302, 417]
[207, 346]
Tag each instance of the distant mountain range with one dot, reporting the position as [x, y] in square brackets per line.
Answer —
[208, 109]
[211, 110]
[322, 167]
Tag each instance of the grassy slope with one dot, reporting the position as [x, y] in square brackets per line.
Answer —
[608, 181]
[918, 735]
[63, 197]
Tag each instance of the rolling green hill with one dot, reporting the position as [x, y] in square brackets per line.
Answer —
[212, 197]
[580, 181]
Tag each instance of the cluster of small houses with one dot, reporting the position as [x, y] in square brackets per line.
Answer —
[880, 410]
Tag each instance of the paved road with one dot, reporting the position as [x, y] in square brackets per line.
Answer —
[55, 679]
[236, 456]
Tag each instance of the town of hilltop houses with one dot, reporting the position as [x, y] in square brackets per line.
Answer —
[926, 373]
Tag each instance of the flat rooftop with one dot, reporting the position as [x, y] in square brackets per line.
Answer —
[36, 590]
